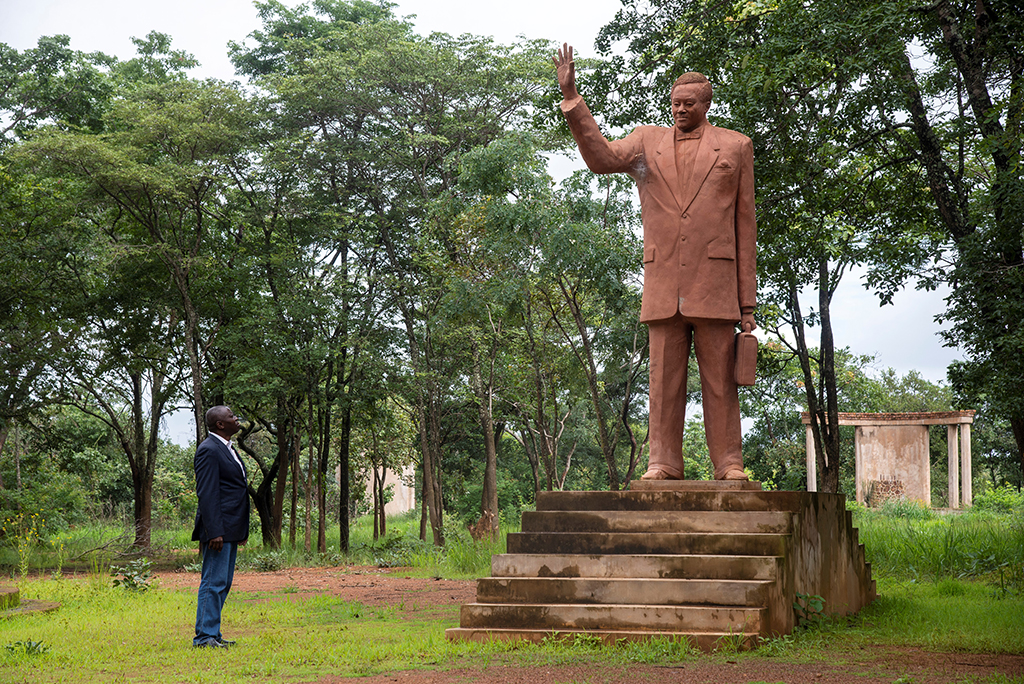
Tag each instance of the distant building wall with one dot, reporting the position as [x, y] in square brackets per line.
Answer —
[892, 462]
[405, 496]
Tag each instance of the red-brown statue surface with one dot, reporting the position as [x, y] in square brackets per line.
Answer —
[696, 185]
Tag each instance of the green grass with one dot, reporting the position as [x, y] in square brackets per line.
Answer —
[925, 545]
[106, 634]
[946, 583]
[949, 615]
[95, 548]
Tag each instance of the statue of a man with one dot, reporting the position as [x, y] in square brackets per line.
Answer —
[696, 185]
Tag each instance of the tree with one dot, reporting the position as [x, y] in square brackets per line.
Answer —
[51, 83]
[149, 186]
[565, 264]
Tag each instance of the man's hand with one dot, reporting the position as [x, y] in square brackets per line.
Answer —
[747, 323]
[215, 544]
[566, 72]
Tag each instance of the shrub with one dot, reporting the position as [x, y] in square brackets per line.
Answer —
[1005, 499]
[907, 509]
[135, 575]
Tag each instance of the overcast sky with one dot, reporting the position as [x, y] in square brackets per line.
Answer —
[902, 336]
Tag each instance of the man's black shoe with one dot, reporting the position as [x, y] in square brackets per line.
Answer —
[212, 643]
[226, 642]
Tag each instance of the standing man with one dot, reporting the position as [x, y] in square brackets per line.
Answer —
[696, 186]
[222, 521]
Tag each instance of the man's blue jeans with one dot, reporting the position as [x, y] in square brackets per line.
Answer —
[214, 585]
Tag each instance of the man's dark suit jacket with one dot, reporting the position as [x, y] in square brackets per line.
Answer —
[223, 498]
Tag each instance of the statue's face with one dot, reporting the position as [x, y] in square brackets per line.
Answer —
[688, 110]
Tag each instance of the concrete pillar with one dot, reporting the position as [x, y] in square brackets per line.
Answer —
[954, 466]
[965, 465]
[812, 463]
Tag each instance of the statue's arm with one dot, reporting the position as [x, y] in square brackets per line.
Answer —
[600, 154]
[746, 238]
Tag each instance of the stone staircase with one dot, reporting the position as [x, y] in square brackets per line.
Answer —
[711, 562]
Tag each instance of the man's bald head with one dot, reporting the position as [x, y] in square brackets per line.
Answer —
[222, 414]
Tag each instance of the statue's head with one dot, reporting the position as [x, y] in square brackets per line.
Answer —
[691, 99]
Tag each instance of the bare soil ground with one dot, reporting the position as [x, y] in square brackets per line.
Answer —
[374, 586]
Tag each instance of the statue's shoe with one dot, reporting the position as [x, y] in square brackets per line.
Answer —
[655, 474]
[736, 474]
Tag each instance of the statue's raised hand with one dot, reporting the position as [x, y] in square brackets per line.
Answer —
[566, 72]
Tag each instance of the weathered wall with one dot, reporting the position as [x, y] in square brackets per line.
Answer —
[824, 557]
[895, 456]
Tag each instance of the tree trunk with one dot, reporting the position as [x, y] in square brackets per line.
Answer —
[344, 446]
[824, 420]
[429, 437]
[374, 491]
[1017, 426]
[284, 432]
[17, 457]
[262, 497]
[296, 452]
[321, 476]
[381, 503]
[485, 407]
[142, 508]
[4, 431]
[586, 359]
[311, 466]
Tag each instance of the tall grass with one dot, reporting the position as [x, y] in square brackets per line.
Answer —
[461, 556]
[94, 548]
[908, 542]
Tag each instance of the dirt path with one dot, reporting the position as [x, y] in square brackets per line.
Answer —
[367, 585]
[375, 586]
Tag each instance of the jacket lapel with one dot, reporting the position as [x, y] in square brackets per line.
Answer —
[665, 162]
[707, 155]
[226, 452]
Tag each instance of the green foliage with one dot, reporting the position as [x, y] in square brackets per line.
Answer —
[1004, 499]
[655, 651]
[907, 510]
[774, 448]
[50, 83]
[135, 575]
[22, 531]
[28, 648]
[809, 609]
[396, 550]
[264, 561]
[973, 544]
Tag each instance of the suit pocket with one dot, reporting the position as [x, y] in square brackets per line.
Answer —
[721, 249]
[648, 254]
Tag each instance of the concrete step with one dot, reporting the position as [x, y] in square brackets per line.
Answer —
[638, 617]
[591, 543]
[665, 566]
[670, 500]
[587, 590]
[776, 522]
[704, 641]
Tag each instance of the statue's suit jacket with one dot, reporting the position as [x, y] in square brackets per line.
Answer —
[699, 241]
[223, 496]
